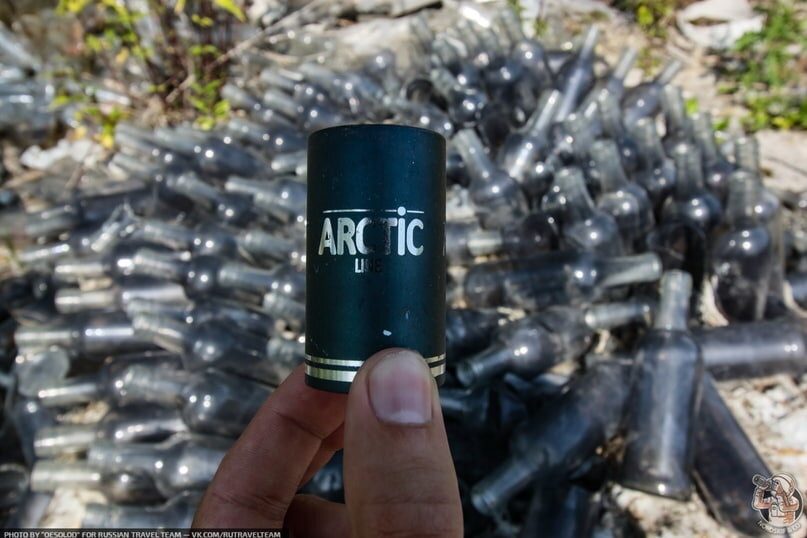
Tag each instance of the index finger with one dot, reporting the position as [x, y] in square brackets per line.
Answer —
[257, 480]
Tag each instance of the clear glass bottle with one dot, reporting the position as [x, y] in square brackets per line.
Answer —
[125, 486]
[754, 349]
[555, 278]
[180, 463]
[131, 423]
[223, 345]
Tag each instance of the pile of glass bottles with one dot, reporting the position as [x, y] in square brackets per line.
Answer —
[582, 213]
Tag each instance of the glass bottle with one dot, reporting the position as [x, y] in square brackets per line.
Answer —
[725, 462]
[180, 463]
[222, 345]
[576, 78]
[561, 437]
[644, 100]
[534, 233]
[84, 335]
[497, 196]
[754, 349]
[131, 423]
[661, 419]
[582, 225]
[717, 168]
[656, 172]
[72, 300]
[555, 278]
[116, 485]
[691, 201]
[743, 257]
[625, 201]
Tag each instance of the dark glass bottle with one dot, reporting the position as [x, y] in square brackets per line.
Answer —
[561, 437]
[625, 201]
[582, 225]
[644, 100]
[497, 196]
[662, 415]
[691, 202]
[743, 257]
[576, 78]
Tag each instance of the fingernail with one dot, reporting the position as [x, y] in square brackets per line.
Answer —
[400, 389]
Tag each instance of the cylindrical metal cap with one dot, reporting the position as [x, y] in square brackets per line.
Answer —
[375, 249]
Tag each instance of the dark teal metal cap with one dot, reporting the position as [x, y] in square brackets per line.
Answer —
[375, 249]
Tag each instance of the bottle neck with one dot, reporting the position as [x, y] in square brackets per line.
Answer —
[673, 311]
[744, 197]
[688, 171]
[746, 153]
[478, 368]
[473, 155]
[194, 188]
[610, 114]
[64, 439]
[578, 206]
[280, 102]
[245, 277]
[147, 383]
[168, 333]
[624, 270]
[649, 143]
[44, 253]
[50, 475]
[610, 315]
[150, 262]
[586, 51]
[704, 133]
[71, 300]
[73, 391]
[73, 270]
[605, 155]
[65, 334]
[674, 110]
[544, 116]
[114, 455]
[624, 64]
[668, 73]
[164, 233]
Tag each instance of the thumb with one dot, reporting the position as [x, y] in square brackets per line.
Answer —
[399, 476]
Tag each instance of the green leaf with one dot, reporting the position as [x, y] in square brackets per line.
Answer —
[221, 109]
[204, 22]
[691, 105]
[231, 7]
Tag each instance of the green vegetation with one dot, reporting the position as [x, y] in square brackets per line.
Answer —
[767, 70]
[177, 46]
[653, 16]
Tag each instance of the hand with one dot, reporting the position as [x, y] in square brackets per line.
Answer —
[398, 472]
